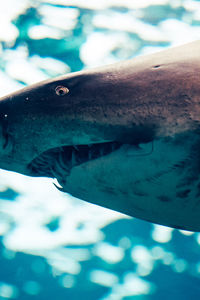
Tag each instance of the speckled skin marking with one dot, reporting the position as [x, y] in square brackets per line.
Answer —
[183, 193]
[150, 105]
[164, 198]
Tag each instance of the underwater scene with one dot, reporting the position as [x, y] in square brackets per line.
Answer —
[54, 246]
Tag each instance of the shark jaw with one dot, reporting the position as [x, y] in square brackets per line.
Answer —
[156, 181]
[58, 162]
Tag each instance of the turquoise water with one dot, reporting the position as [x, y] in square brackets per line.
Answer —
[53, 246]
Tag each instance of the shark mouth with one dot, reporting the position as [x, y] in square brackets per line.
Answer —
[58, 162]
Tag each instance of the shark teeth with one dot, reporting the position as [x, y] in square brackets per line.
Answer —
[73, 160]
[76, 147]
[58, 162]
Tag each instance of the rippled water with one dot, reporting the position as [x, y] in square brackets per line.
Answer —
[52, 245]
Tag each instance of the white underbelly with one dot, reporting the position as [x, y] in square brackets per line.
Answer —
[152, 182]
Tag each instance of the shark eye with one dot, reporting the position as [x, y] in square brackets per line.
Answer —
[61, 90]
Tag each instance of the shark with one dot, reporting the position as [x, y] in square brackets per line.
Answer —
[124, 136]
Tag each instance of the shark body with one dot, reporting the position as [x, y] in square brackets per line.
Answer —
[124, 136]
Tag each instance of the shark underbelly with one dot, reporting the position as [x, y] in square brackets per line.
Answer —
[157, 181]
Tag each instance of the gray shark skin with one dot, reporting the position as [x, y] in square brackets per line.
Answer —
[124, 136]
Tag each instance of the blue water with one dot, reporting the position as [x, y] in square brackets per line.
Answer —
[53, 246]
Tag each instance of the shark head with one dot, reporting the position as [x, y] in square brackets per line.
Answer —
[85, 114]
[112, 136]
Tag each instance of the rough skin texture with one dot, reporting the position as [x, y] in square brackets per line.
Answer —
[149, 105]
